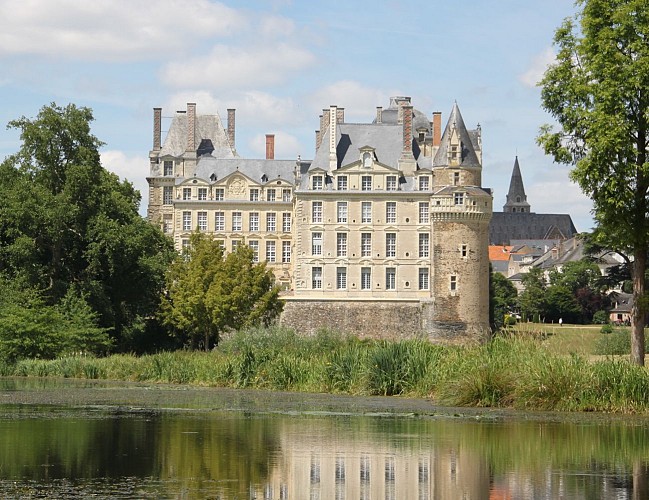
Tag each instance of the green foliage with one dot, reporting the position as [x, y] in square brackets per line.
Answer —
[607, 328]
[503, 299]
[600, 317]
[560, 303]
[209, 292]
[531, 301]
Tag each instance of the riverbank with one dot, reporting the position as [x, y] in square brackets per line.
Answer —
[512, 372]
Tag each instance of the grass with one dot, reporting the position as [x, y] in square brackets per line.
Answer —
[530, 367]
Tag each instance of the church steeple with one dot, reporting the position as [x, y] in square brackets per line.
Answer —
[516, 197]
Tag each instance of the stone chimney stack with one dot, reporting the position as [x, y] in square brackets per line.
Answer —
[270, 146]
[379, 114]
[191, 127]
[333, 159]
[340, 115]
[437, 128]
[157, 128]
[231, 127]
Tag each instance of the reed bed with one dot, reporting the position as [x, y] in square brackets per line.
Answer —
[515, 371]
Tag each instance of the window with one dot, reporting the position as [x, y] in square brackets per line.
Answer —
[342, 211]
[286, 195]
[390, 278]
[202, 194]
[253, 221]
[423, 278]
[391, 183]
[366, 212]
[316, 182]
[424, 244]
[219, 194]
[270, 195]
[254, 246]
[235, 245]
[316, 211]
[271, 222]
[367, 160]
[254, 194]
[168, 167]
[453, 283]
[286, 252]
[454, 152]
[316, 280]
[167, 195]
[456, 178]
[316, 243]
[187, 221]
[458, 198]
[270, 251]
[202, 221]
[390, 244]
[342, 183]
[341, 244]
[423, 213]
[167, 223]
[187, 193]
[464, 250]
[286, 222]
[236, 221]
[185, 245]
[341, 278]
[219, 221]
[366, 183]
[366, 278]
[391, 212]
[424, 183]
[366, 244]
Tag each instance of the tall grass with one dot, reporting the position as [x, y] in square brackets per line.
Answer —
[518, 371]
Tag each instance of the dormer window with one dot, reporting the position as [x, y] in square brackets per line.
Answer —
[342, 183]
[367, 159]
[316, 183]
[424, 183]
[264, 178]
[168, 167]
[391, 183]
[458, 198]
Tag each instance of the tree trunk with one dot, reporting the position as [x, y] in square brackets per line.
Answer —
[638, 310]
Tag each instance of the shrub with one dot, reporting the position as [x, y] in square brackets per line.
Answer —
[600, 318]
[606, 328]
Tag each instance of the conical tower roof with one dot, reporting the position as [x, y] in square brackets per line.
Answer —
[456, 134]
[516, 197]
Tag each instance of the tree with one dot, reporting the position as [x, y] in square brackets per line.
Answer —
[503, 299]
[560, 303]
[598, 91]
[209, 292]
[531, 301]
[586, 284]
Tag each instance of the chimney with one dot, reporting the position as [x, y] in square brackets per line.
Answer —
[379, 114]
[407, 131]
[231, 127]
[270, 146]
[191, 127]
[157, 128]
[437, 128]
[317, 140]
[340, 115]
[333, 160]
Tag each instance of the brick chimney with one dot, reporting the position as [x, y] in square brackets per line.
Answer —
[157, 128]
[231, 127]
[407, 131]
[333, 159]
[191, 127]
[270, 146]
[437, 128]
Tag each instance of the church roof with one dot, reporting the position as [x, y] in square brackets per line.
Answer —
[507, 226]
[469, 157]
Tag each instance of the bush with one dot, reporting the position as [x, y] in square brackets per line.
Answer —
[607, 328]
[600, 318]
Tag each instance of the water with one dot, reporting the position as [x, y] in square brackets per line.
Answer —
[75, 439]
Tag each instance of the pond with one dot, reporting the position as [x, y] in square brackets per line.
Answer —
[75, 439]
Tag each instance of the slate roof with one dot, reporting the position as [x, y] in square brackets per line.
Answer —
[506, 226]
[469, 157]
[516, 189]
[255, 169]
[208, 127]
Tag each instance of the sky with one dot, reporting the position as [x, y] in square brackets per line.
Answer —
[279, 63]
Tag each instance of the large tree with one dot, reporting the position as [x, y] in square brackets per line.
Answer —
[209, 292]
[598, 91]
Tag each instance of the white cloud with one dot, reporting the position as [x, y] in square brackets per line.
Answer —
[359, 101]
[133, 168]
[287, 147]
[560, 196]
[538, 66]
[111, 30]
[276, 27]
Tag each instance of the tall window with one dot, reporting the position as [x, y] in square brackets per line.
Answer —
[254, 194]
[423, 183]
[270, 195]
[167, 195]
[316, 277]
[270, 251]
[366, 183]
[390, 212]
[458, 198]
[235, 245]
[390, 244]
[254, 246]
[202, 221]
[424, 282]
[286, 252]
[168, 167]
[253, 221]
[366, 278]
[316, 211]
[187, 221]
[456, 178]
[202, 194]
[341, 278]
[286, 195]
[342, 183]
[464, 250]
[341, 244]
[187, 193]
[236, 221]
[286, 222]
[316, 182]
[271, 222]
[391, 183]
[219, 194]
[453, 283]
[390, 278]
[424, 244]
[342, 211]
[316, 243]
[366, 244]
[366, 212]
[423, 213]
[219, 221]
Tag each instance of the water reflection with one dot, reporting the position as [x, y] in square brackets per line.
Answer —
[57, 451]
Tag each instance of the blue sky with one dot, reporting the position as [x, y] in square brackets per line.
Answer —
[280, 62]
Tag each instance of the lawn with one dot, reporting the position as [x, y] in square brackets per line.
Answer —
[565, 339]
